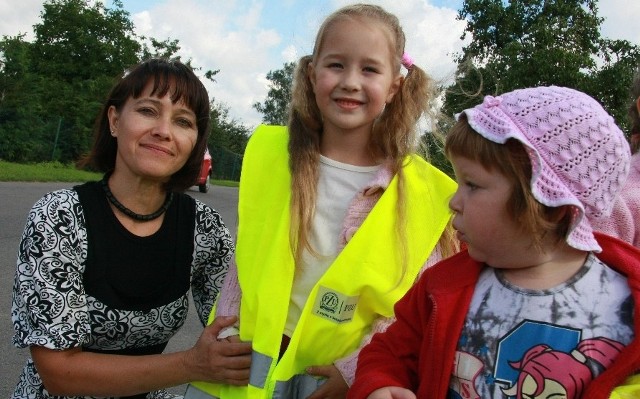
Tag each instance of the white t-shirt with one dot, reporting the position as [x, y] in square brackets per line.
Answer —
[338, 183]
[559, 338]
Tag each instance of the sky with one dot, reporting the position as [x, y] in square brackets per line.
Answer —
[245, 39]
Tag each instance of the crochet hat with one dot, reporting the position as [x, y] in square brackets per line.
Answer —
[579, 157]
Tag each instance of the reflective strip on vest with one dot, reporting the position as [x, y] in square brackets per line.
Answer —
[194, 393]
[301, 386]
[260, 365]
[298, 387]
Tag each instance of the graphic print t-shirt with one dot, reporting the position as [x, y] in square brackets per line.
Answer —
[520, 343]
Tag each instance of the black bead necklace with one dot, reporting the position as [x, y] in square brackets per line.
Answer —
[129, 212]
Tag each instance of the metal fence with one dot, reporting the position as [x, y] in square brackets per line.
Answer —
[226, 164]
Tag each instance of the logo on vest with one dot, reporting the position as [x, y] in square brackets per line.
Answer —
[334, 306]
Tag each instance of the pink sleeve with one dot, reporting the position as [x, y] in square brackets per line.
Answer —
[347, 365]
[229, 300]
[624, 221]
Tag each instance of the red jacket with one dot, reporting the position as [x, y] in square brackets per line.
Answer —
[417, 351]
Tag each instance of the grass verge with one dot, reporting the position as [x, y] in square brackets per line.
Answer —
[56, 171]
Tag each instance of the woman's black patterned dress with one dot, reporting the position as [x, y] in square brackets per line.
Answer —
[83, 280]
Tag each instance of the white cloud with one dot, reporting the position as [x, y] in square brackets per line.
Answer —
[142, 21]
[433, 36]
[621, 19]
[290, 54]
[19, 17]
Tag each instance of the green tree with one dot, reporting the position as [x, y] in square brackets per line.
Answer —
[21, 126]
[52, 88]
[80, 39]
[79, 47]
[519, 44]
[227, 132]
[227, 142]
[275, 109]
[611, 81]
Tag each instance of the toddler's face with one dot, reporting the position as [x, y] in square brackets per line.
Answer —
[481, 217]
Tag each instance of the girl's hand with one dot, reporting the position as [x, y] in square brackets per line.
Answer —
[392, 393]
[335, 387]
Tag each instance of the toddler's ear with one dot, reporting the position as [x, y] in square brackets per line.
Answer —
[638, 104]
[558, 214]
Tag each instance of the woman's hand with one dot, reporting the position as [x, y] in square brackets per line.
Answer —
[335, 387]
[224, 361]
[392, 393]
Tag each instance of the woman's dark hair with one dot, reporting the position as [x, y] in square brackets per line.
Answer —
[166, 76]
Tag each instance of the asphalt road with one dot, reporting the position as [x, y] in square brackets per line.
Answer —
[15, 201]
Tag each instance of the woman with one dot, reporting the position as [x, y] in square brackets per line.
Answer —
[104, 269]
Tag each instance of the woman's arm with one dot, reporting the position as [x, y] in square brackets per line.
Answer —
[212, 257]
[72, 372]
[50, 316]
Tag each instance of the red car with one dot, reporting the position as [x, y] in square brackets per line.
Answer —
[205, 173]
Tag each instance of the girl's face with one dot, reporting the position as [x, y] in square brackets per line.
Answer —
[155, 137]
[481, 218]
[353, 75]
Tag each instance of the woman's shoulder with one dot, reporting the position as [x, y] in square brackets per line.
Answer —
[63, 198]
[209, 220]
[202, 207]
[57, 212]
[65, 193]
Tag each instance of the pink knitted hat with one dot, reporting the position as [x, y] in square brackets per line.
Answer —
[578, 155]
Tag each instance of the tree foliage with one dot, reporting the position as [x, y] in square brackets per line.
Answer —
[227, 143]
[226, 132]
[275, 109]
[518, 44]
[51, 89]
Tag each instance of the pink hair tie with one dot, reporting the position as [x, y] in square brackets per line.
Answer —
[407, 61]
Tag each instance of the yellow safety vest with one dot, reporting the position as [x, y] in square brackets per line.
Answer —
[363, 283]
[630, 389]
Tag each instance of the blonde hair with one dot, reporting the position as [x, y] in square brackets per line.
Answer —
[393, 136]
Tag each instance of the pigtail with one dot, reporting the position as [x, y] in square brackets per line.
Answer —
[395, 133]
[305, 126]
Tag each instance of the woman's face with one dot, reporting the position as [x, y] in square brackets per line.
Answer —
[155, 136]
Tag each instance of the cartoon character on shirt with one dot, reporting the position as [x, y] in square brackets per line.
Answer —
[542, 372]
[548, 373]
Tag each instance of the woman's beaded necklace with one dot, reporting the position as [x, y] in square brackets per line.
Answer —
[136, 216]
